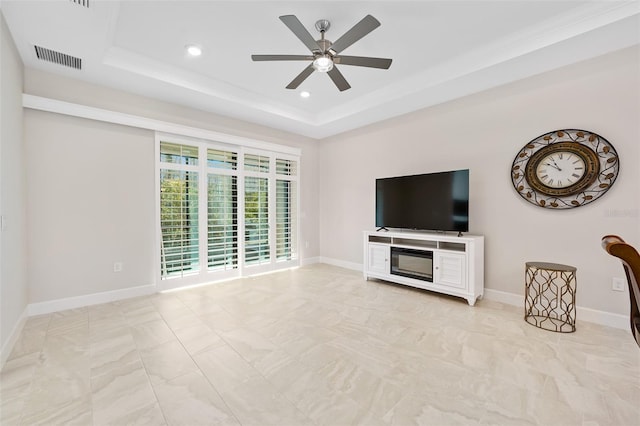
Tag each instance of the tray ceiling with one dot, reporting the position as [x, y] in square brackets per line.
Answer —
[441, 50]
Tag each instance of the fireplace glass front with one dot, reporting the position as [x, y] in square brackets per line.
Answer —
[412, 263]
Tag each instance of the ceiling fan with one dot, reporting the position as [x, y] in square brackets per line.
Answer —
[325, 54]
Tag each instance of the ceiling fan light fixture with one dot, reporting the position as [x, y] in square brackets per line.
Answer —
[323, 63]
[194, 50]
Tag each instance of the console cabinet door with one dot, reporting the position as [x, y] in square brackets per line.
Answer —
[378, 258]
[449, 269]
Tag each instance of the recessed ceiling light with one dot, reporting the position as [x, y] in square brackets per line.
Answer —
[194, 50]
[305, 94]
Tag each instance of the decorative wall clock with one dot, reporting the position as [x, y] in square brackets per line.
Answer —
[565, 169]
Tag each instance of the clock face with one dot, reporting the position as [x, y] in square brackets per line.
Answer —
[561, 169]
[565, 169]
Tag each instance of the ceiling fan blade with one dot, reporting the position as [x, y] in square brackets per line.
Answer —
[300, 31]
[363, 61]
[359, 30]
[281, 58]
[301, 77]
[338, 79]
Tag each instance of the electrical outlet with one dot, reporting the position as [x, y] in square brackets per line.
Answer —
[618, 284]
[117, 267]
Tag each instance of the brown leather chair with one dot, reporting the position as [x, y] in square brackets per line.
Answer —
[630, 258]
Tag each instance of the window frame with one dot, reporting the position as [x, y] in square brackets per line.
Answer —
[204, 275]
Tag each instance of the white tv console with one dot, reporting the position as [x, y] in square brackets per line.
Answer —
[457, 262]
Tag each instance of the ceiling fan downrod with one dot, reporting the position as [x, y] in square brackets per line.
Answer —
[322, 26]
[323, 58]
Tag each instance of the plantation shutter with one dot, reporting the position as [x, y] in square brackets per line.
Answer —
[256, 163]
[256, 220]
[179, 210]
[222, 211]
[286, 210]
[256, 210]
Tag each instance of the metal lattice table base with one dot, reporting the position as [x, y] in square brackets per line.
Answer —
[550, 296]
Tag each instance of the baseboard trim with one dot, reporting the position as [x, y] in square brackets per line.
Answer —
[504, 297]
[341, 263]
[7, 347]
[583, 314]
[603, 318]
[89, 299]
[595, 316]
[309, 261]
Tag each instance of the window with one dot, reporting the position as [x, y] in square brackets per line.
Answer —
[179, 213]
[286, 167]
[256, 210]
[256, 163]
[256, 220]
[224, 211]
[286, 210]
[178, 154]
[179, 221]
[222, 245]
[222, 159]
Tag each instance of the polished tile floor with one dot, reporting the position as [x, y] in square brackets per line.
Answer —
[315, 346]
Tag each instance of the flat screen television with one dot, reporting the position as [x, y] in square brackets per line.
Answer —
[430, 202]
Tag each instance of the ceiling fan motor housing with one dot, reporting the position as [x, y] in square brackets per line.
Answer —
[324, 45]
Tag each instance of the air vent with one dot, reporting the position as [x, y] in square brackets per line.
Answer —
[58, 58]
[84, 3]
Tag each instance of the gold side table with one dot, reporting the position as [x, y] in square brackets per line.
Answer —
[550, 296]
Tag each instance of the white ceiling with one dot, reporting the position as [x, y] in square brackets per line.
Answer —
[441, 50]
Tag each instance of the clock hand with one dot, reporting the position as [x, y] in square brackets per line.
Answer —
[554, 166]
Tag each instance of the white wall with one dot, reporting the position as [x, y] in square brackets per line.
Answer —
[13, 272]
[483, 133]
[91, 190]
[91, 197]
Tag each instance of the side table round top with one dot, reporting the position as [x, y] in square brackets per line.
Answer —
[551, 266]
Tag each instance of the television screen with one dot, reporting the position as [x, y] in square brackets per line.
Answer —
[433, 201]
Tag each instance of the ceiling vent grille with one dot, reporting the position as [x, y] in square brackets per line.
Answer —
[58, 58]
[84, 3]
